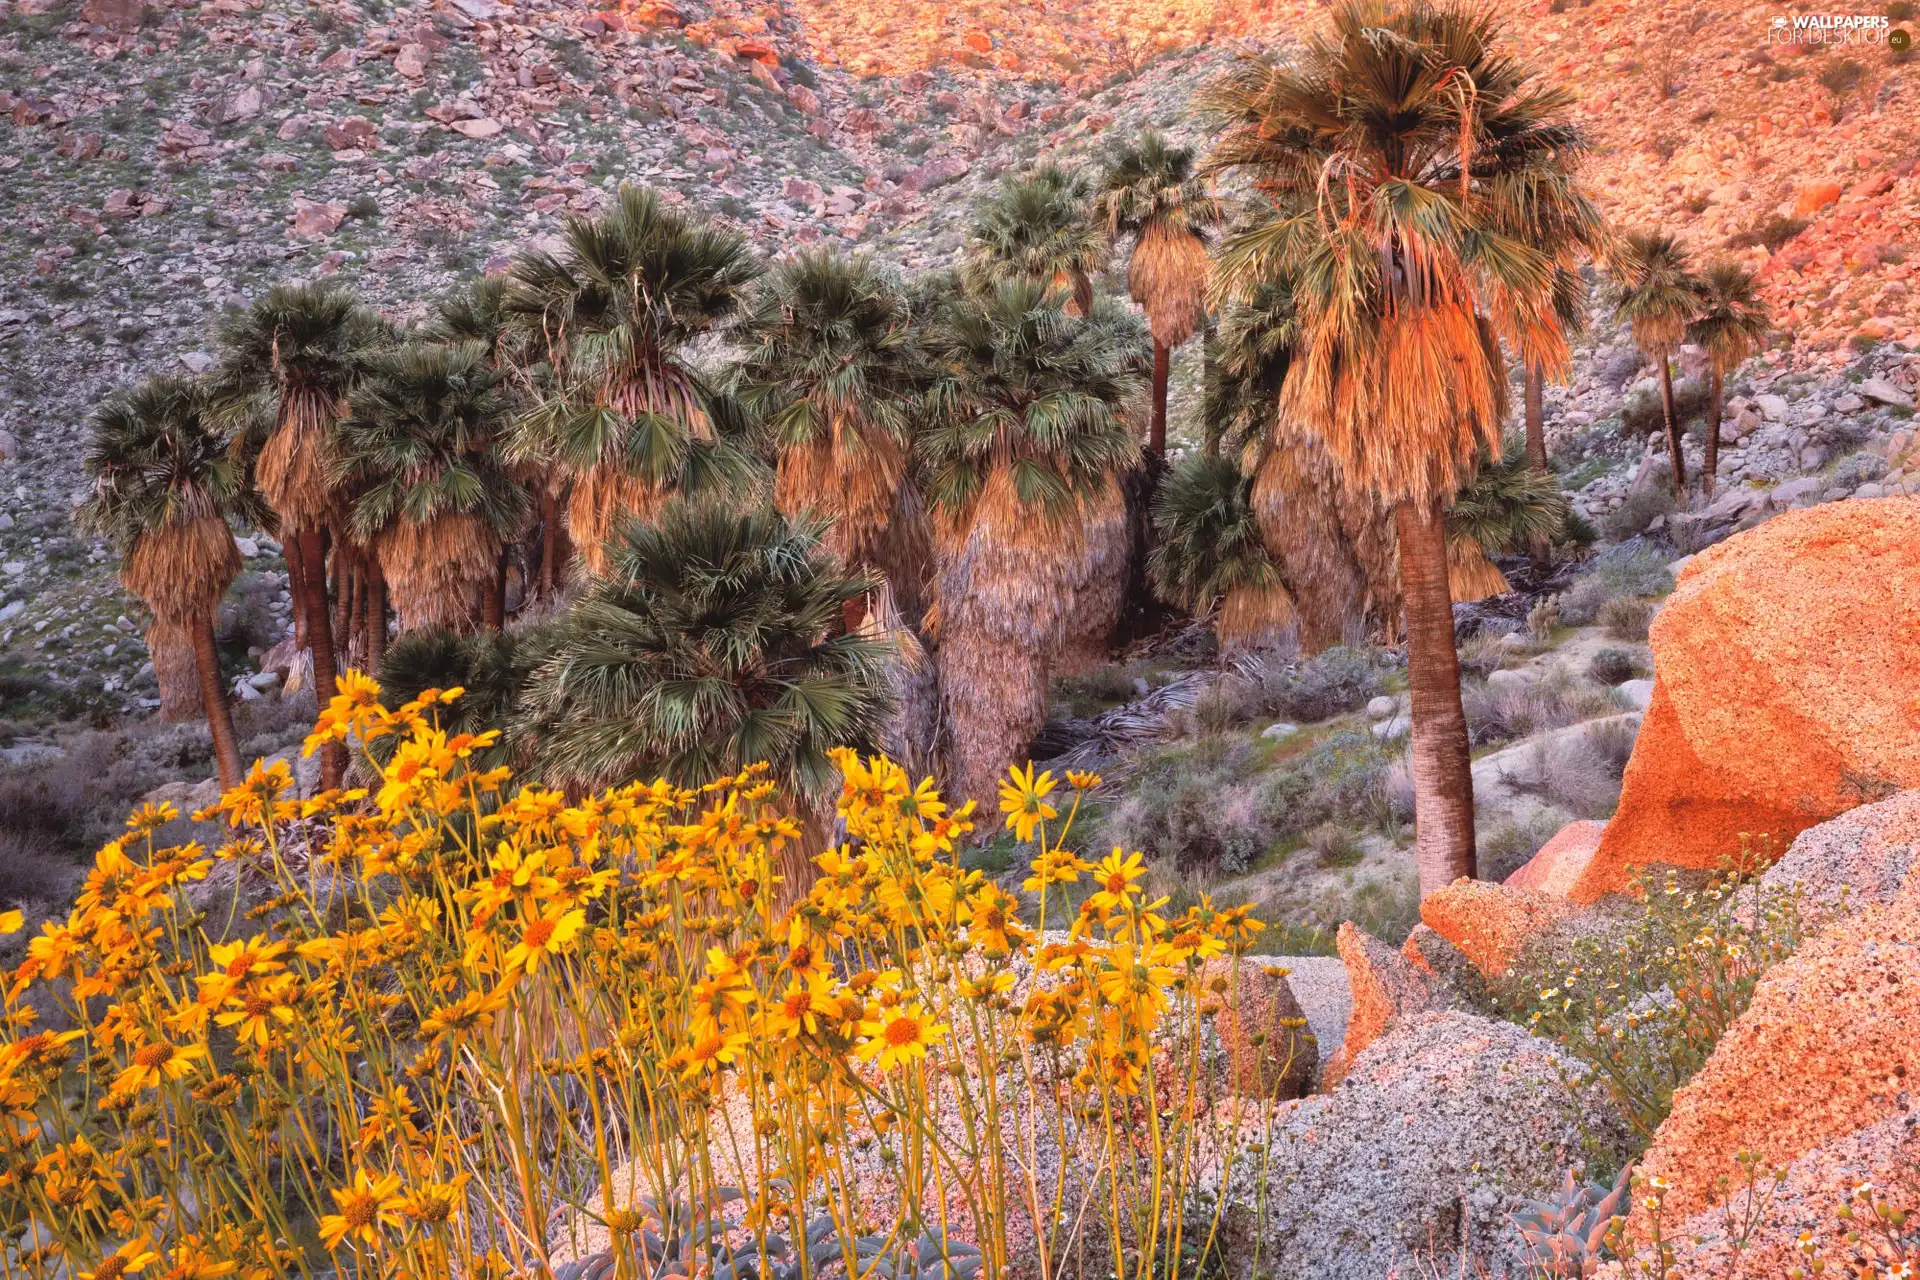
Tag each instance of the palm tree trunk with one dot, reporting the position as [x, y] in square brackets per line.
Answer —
[1536, 426]
[493, 597]
[1157, 437]
[333, 756]
[1715, 411]
[1442, 769]
[549, 543]
[341, 578]
[213, 695]
[1082, 293]
[376, 622]
[1673, 430]
[296, 588]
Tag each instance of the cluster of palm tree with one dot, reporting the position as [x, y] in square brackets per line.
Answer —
[753, 513]
[1656, 290]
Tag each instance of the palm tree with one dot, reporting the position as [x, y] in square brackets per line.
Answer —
[1507, 508]
[1150, 192]
[613, 315]
[1331, 543]
[1037, 228]
[712, 641]
[492, 667]
[1378, 151]
[300, 347]
[1209, 551]
[833, 367]
[1654, 290]
[431, 497]
[1730, 323]
[164, 485]
[482, 312]
[1029, 439]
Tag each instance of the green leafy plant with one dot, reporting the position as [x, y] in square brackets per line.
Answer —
[1646, 1006]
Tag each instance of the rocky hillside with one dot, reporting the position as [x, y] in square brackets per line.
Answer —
[165, 161]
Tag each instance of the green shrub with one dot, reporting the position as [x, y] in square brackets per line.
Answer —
[1613, 666]
[1627, 617]
[1323, 686]
[1642, 507]
[1618, 1004]
[1641, 572]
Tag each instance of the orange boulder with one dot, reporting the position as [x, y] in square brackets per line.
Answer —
[1491, 922]
[1558, 865]
[979, 42]
[1385, 987]
[1786, 690]
[1815, 196]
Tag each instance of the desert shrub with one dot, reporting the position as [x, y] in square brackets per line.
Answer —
[1627, 617]
[1510, 711]
[1857, 469]
[1776, 229]
[1581, 777]
[1642, 413]
[1349, 782]
[1612, 739]
[1642, 506]
[1307, 923]
[1203, 809]
[1482, 654]
[1323, 686]
[1639, 572]
[1613, 666]
[1509, 843]
[427, 1054]
[1616, 1008]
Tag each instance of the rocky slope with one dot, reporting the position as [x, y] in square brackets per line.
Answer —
[166, 161]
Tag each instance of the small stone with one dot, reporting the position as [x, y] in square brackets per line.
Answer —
[1849, 403]
[484, 127]
[1637, 694]
[314, 220]
[247, 547]
[1775, 408]
[1275, 732]
[1880, 391]
[1381, 707]
[411, 61]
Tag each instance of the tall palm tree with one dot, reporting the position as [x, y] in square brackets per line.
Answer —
[1331, 543]
[1730, 322]
[1654, 290]
[164, 485]
[712, 641]
[481, 311]
[300, 347]
[1038, 228]
[431, 496]
[613, 315]
[1029, 439]
[1378, 151]
[1151, 193]
[834, 367]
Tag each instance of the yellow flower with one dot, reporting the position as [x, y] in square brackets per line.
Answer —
[1115, 877]
[366, 1206]
[150, 817]
[1023, 798]
[11, 922]
[991, 920]
[157, 1061]
[1082, 780]
[803, 1006]
[471, 1012]
[355, 711]
[899, 1036]
[128, 1259]
[545, 934]
[436, 1202]
[712, 1051]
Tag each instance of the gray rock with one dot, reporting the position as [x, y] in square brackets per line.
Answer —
[1273, 732]
[1880, 391]
[1443, 1128]
[1636, 693]
[1516, 678]
[1798, 492]
[1774, 408]
[9, 446]
[1870, 490]
[1849, 403]
[1854, 861]
[1381, 707]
